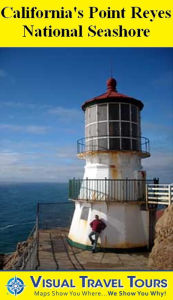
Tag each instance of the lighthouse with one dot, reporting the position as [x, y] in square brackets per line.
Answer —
[113, 185]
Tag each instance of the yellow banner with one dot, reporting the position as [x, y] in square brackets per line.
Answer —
[86, 285]
[79, 23]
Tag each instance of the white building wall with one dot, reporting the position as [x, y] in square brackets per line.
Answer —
[113, 165]
[127, 225]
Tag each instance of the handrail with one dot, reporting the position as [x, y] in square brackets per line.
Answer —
[107, 189]
[121, 190]
[28, 251]
[140, 144]
[160, 194]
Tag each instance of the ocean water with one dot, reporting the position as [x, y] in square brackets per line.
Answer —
[18, 206]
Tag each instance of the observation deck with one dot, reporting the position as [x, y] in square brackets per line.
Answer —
[138, 145]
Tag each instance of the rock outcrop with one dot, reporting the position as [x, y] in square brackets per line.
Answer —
[15, 260]
[161, 256]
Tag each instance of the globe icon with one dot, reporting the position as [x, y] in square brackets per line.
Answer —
[15, 286]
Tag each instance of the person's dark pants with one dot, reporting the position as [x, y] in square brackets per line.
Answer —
[94, 241]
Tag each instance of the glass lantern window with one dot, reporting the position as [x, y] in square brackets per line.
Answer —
[102, 112]
[125, 112]
[125, 128]
[113, 111]
[114, 128]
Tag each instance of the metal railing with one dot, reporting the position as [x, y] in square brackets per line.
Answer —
[49, 216]
[108, 189]
[28, 259]
[53, 215]
[159, 194]
[111, 143]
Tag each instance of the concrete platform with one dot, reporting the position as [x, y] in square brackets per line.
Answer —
[54, 253]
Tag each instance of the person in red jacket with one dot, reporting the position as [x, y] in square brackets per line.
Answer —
[97, 226]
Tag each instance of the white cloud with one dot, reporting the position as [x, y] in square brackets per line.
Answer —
[160, 164]
[37, 129]
[65, 114]
[17, 104]
[160, 136]
[10, 127]
[156, 126]
[58, 165]
[45, 173]
[33, 129]
[25, 105]
[8, 159]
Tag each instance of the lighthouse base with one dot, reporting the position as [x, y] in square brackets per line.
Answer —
[101, 249]
[127, 225]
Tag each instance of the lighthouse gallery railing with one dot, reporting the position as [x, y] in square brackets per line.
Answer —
[113, 143]
[108, 189]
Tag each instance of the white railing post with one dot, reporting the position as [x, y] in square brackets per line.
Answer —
[169, 193]
[146, 194]
[159, 194]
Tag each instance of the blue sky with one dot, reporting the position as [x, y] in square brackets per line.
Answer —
[41, 92]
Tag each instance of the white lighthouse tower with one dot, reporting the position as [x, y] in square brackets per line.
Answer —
[113, 185]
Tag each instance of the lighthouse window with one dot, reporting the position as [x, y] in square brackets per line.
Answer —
[114, 144]
[85, 213]
[91, 144]
[114, 128]
[125, 112]
[102, 112]
[134, 113]
[92, 114]
[135, 145]
[126, 144]
[92, 130]
[102, 144]
[113, 111]
[102, 129]
[134, 130]
[86, 116]
[125, 129]
[86, 131]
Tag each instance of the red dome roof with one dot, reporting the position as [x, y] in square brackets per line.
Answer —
[112, 95]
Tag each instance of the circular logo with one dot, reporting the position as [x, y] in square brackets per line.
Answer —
[15, 286]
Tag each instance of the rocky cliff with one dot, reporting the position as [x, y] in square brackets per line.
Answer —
[161, 256]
